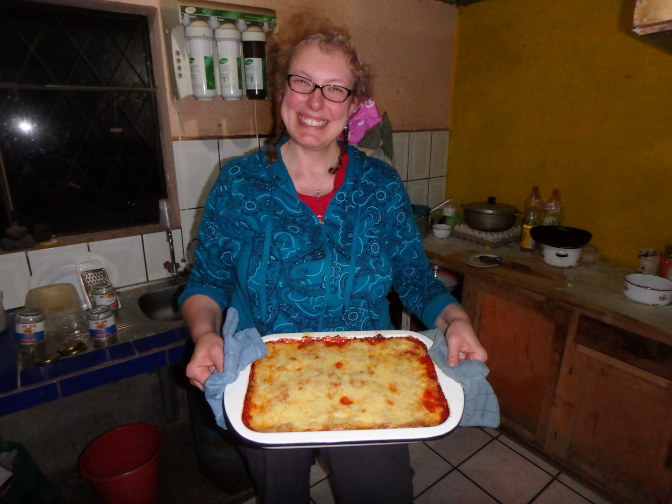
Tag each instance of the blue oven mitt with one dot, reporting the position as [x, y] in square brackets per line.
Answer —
[241, 349]
[481, 407]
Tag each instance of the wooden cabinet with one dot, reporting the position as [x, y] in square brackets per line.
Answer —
[612, 421]
[524, 334]
[579, 379]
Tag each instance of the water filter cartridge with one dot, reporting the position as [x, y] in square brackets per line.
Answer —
[200, 48]
[229, 54]
[254, 54]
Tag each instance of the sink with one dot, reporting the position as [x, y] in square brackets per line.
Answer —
[161, 304]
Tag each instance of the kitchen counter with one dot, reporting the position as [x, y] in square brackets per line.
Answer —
[593, 284]
[142, 345]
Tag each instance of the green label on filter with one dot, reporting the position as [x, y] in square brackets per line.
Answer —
[223, 61]
[209, 63]
[191, 60]
[248, 61]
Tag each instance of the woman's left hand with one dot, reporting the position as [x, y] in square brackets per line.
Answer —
[460, 336]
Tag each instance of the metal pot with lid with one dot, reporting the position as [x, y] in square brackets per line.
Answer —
[490, 215]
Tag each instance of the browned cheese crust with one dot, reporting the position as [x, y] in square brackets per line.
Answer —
[337, 383]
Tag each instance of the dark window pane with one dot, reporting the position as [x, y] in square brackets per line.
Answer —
[86, 159]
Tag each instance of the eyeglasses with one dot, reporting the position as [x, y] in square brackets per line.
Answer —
[303, 85]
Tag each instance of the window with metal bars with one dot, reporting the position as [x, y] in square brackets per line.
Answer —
[80, 147]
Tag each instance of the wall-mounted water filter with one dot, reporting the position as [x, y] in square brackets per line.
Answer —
[201, 52]
[229, 56]
[220, 18]
[254, 54]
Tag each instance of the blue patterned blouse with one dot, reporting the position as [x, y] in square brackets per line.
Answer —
[263, 251]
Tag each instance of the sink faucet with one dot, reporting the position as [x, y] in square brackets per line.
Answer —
[172, 267]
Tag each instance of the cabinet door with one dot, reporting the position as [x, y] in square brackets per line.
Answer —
[524, 334]
[613, 423]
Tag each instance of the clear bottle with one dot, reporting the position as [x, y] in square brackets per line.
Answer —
[533, 205]
[552, 209]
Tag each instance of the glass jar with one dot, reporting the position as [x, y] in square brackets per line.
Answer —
[102, 324]
[29, 325]
[104, 295]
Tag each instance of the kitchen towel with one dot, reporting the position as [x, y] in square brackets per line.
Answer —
[481, 407]
[241, 349]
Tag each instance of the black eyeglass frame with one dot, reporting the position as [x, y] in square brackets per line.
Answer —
[317, 86]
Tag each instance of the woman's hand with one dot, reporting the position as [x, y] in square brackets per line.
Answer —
[204, 318]
[208, 355]
[460, 336]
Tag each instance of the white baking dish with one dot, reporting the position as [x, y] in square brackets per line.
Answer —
[234, 398]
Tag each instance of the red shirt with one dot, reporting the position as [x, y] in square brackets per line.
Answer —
[319, 205]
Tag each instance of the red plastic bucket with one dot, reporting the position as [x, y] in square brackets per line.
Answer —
[123, 464]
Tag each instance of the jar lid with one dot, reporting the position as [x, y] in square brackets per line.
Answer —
[30, 312]
[491, 207]
[97, 310]
[46, 359]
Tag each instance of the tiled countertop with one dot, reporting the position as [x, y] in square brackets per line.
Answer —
[142, 345]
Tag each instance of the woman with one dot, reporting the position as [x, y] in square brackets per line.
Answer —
[309, 235]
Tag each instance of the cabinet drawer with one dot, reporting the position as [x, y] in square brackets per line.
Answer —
[639, 351]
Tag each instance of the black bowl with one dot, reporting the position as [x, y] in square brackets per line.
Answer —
[560, 236]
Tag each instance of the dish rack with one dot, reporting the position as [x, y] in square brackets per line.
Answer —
[488, 238]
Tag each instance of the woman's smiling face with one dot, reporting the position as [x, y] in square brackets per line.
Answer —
[314, 122]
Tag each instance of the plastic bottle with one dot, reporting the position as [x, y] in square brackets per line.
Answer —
[533, 205]
[254, 54]
[552, 209]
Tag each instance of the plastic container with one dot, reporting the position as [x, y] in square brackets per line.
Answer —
[533, 205]
[123, 464]
[552, 209]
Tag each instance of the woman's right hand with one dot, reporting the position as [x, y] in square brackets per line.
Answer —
[208, 355]
[203, 317]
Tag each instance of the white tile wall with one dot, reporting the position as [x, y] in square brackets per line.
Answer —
[437, 191]
[38, 258]
[190, 219]
[14, 279]
[419, 154]
[418, 191]
[157, 252]
[419, 157]
[196, 167]
[127, 255]
[235, 147]
[400, 153]
[439, 154]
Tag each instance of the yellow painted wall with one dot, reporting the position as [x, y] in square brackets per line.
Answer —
[561, 94]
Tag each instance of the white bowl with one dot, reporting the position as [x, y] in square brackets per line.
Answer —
[441, 230]
[648, 289]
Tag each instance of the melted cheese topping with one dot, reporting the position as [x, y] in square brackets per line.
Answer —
[337, 383]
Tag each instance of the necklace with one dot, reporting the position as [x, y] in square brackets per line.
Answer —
[317, 193]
